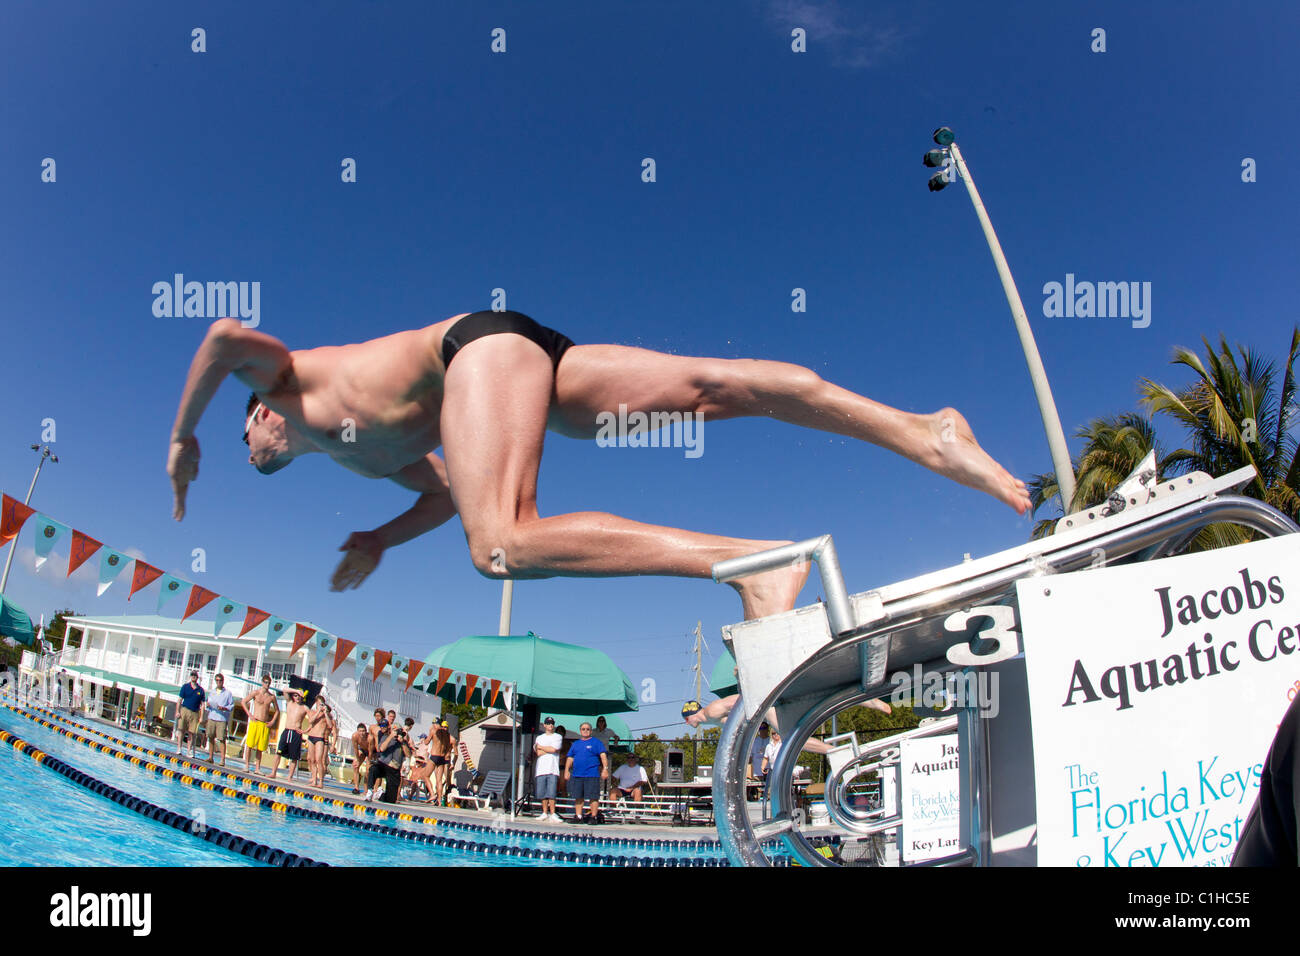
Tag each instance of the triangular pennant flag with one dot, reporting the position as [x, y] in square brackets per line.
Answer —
[496, 689]
[252, 617]
[443, 674]
[509, 693]
[341, 651]
[301, 635]
[322, 644]
[415, 671]
[143, 575]
[381, 659]
[276, 628]
[362, 660]
[111, 564]
[227, 610]
[83, 546]
[398, 664]
[48, 532]
[471, 681]
[13, 514]
[200, 597]
[171, 586]
[458, 680]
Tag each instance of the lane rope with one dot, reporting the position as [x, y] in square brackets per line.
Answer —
[259, 852]
[361, 809]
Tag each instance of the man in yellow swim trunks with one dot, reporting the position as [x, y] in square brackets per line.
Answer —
[262, 711]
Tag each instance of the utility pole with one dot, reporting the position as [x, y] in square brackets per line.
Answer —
[698, 651]
[698, 666]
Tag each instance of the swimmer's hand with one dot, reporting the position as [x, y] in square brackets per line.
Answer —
[183, 467]
[364, 549]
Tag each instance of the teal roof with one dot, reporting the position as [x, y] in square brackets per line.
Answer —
[150, 686]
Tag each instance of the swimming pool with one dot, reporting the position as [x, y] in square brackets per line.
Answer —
[298, 824]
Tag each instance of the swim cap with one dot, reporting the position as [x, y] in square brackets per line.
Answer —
[691, 707]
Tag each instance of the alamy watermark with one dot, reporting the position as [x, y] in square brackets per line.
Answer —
[972, 687]
[1101, 300]
[75, 909]
[211, 300]
[651, 430]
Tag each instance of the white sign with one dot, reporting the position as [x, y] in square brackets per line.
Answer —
[931, 777]
[1155, 690]
[889, 789]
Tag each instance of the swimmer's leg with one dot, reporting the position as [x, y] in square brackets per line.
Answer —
[598, 378]
[494, 415]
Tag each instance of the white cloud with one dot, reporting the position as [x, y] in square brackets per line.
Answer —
[854, 36]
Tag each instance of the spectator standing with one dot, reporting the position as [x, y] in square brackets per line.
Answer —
[584, 768]
[187, 714]
[262, 711]
[394, 748]
[769, 756]
[761, 741]
[217, 709]
[546, 772]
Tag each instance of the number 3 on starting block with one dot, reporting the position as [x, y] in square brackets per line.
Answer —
[1002, 631]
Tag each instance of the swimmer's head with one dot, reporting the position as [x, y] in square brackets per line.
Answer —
[693, 713]
[267, 435]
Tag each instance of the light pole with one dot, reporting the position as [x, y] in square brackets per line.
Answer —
[13, 545]
[507, 604]
[948, 156]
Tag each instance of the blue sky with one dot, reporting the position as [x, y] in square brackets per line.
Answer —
[521, 170]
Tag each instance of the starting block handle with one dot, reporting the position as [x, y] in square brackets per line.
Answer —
[839, 613]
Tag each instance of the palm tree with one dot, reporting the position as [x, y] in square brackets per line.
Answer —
[1113, 449]
[1235, 416]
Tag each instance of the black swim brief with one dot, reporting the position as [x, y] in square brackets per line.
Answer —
[290, 745]
[478, 324]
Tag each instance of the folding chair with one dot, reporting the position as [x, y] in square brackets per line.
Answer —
[493, 785]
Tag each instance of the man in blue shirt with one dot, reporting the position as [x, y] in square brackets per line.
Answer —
[187, 715]
[584, 768]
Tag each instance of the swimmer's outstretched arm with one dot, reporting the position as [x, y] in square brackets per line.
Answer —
[432, 509]
[255, 358]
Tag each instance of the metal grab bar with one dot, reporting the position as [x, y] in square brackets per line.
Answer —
[822, 550]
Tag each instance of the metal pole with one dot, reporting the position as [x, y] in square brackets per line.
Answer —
[515, 753]
[13, 545]
[1046, 405]
[503, 629]
[507, 604]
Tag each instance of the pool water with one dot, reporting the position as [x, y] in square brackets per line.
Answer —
[46, 825]
[55, 833]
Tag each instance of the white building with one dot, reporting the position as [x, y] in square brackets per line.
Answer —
[129, 662]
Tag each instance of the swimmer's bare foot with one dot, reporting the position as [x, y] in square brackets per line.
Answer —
[772, 591]
[879, 705]
[954, 453]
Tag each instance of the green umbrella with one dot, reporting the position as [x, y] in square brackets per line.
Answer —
[551, 675]
[616, 724]
[16, 623]
[724, 681]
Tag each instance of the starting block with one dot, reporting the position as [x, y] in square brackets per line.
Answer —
[958, 623]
